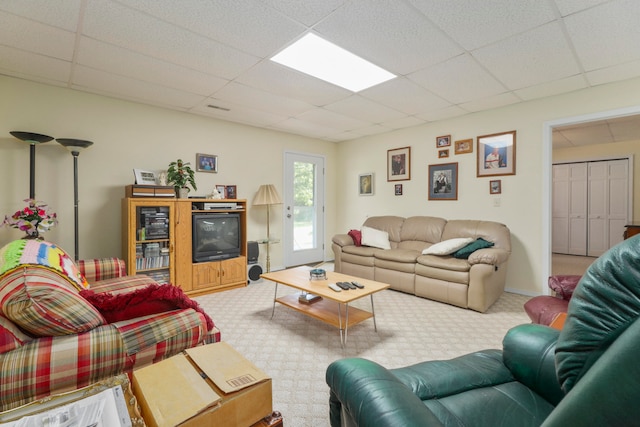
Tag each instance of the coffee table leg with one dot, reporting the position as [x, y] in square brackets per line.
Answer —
[342, 336]
[275, 294]
[346, 323]
[373, 312]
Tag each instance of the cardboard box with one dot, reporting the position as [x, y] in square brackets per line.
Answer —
[211, 385]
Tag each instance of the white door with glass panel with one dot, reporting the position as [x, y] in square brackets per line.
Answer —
[303, 209]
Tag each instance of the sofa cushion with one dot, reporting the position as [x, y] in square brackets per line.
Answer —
[425, 229]
[398, 255]
[152, 299]
[43, 254]
[43, 303]
[465, 251]
[447, 247]
[389, 223]
[356, 235]
[443, 262]
[11, 337]
[375, 238]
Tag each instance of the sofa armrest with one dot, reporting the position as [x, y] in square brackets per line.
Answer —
[102, 268]
[564, 285]
[342, 240]
[492, 256]
[529, 353]
[372, 396]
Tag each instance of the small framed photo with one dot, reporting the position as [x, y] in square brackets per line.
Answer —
[398, 189]
[443, 141]
[443, 154]
[399, 164]
[144, 177]
[495, 186]
[464, 146]
[206, 163]
[443, 181]
[230, 192]
[497, 154]
[365, 184]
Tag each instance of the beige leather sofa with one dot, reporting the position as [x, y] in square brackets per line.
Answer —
[475, 283]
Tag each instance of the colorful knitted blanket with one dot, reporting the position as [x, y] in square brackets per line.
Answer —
[41, 254]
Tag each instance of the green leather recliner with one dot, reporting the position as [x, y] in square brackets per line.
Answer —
[586, 375]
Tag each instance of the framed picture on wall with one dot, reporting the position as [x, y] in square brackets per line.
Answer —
[398, 189]
[497, 154]
[399, 164]
[365, 184]
[206, 163]
[464, 146]
[443, 141]
[443, 181]
[495, 186]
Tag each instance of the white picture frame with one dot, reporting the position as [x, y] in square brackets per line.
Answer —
[144, 177]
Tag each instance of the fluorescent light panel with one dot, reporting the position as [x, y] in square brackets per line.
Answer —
[319, 58]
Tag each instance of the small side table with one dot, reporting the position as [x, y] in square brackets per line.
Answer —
[632, 229]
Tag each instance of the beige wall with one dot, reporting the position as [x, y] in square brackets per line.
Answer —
[524, 200]
[607, 151]
[127, 135]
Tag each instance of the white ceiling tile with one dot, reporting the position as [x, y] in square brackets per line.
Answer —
[567, 7]
[404, 122]
[407, 43]
[331, 120]
[589, 135]
[443, 114]
[372, 130]
[284, 81]
[137, 31]
[625, 128]
[19, 63]
[615, 73]
[489, 103]
[364, 109]
[127, 88]
[237, 113]
[531, 58]
[460, 79]
[117, 60]
[264, 30]
[262, 100]
[302, 127]
[306, 12]
[606, 35]
[554, 87]
[404, 95]
[24, 34]
[61, 14]
[474, 23]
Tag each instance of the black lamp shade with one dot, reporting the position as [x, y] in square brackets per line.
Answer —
[30, 137]
[74, 144]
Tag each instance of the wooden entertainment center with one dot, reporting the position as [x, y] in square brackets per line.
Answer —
[157, 241]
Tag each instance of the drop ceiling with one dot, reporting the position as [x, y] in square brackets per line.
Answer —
[211, 58]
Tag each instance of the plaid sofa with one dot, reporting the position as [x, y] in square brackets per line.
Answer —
[52, 340]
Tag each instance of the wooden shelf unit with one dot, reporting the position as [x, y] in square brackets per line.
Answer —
[193, 278]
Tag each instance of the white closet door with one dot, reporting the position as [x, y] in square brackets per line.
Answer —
[608, 204]
[618, 199]
[560, 210]
[578, 209]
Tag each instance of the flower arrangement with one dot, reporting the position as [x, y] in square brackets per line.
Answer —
[34, 219]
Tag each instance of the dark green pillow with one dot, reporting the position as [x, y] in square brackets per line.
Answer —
[464, 253]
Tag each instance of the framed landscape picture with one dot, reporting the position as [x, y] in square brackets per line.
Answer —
[497, 154]
[365, 184]
[443, 181]
[399, 164]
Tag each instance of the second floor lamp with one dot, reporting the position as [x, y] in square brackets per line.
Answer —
[267, 195]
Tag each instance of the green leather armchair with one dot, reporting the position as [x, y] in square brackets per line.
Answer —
[584, 375]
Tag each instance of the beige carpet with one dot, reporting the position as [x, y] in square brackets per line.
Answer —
[295, 349]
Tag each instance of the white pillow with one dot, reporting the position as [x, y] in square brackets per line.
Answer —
[375, 238]
[447, 247]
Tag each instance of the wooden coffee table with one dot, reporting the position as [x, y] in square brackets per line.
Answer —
[334, 307]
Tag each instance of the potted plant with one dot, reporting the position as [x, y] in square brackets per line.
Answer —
[181, 176]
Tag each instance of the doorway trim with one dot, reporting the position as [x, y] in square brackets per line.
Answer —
[547, 162]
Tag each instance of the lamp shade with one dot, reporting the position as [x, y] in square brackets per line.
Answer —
[267, 195]
[72, 145]
[31, 138]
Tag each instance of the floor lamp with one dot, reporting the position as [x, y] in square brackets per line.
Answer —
[33, 139]
[267, 195]
[75, 146]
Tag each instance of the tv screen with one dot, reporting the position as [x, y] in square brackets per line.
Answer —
[216, 236]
